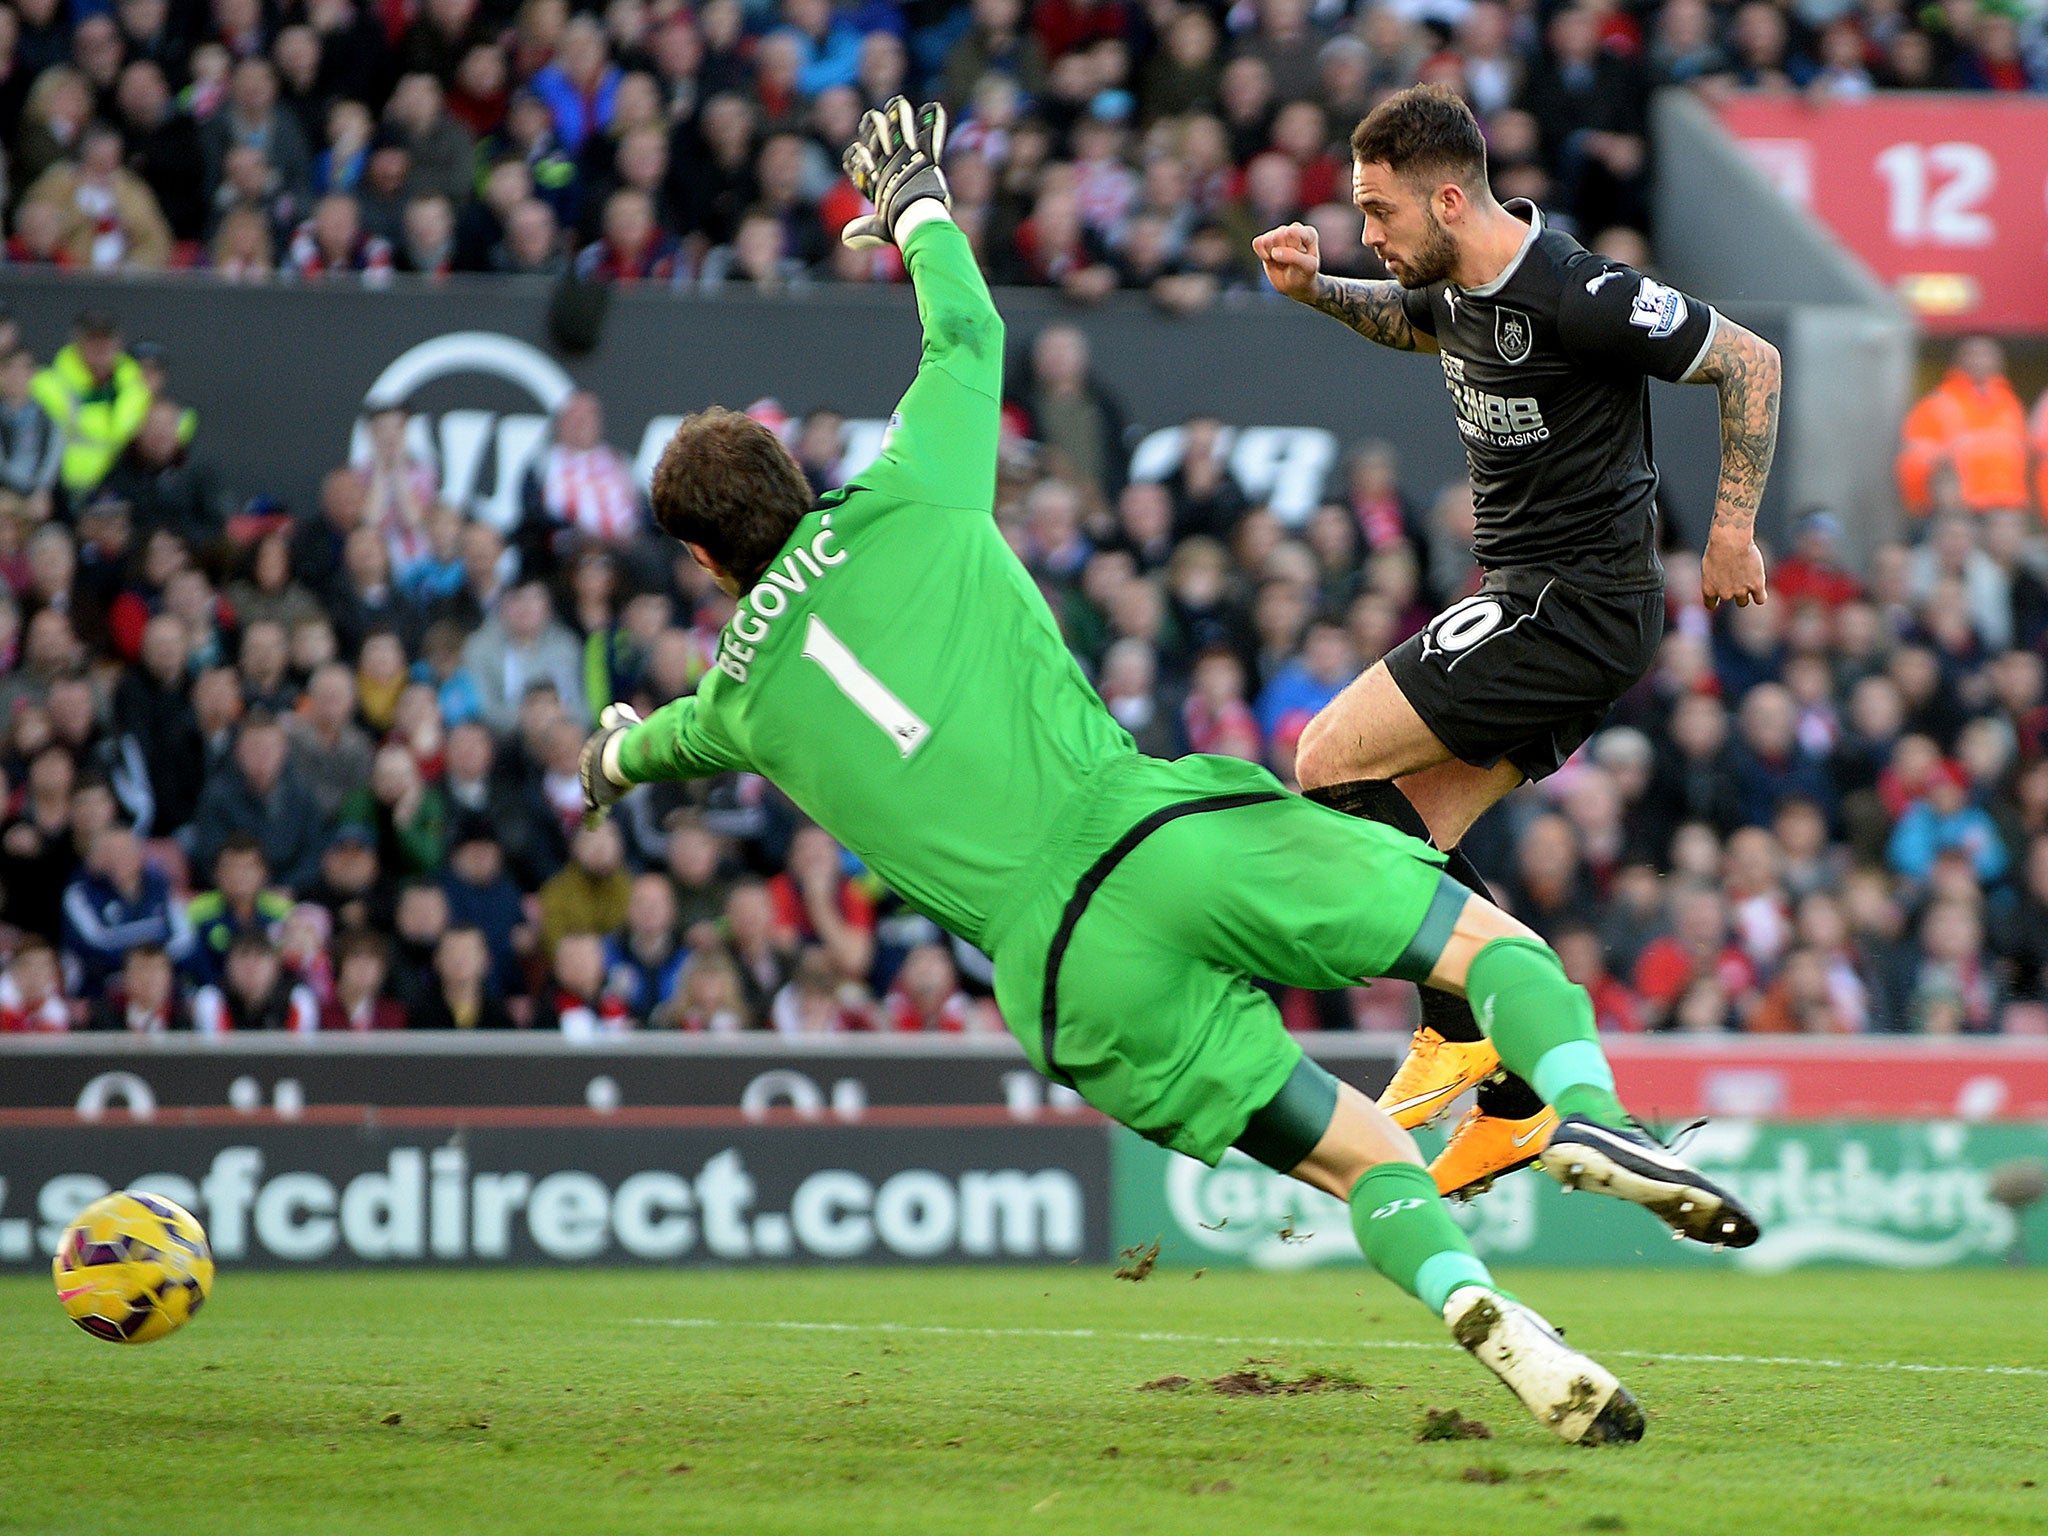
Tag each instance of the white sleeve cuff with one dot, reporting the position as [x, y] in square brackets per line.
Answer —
[608, 760]
[918, 214]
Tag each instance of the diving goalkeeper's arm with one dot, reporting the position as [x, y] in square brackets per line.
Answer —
[941, 446]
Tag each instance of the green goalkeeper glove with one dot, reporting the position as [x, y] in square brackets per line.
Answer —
[598, 767]
[895, 162]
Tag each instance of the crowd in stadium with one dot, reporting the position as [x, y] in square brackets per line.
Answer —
[1100, 144]
[319, 771]
[313, 769]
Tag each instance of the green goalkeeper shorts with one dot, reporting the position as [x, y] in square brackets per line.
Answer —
[1125, 968]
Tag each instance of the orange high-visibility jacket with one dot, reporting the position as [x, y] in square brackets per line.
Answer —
[2037, 432]
[1980, 430]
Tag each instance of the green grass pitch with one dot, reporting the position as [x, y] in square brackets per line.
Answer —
[1009, 1401]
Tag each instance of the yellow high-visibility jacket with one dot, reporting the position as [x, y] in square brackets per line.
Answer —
[97, 419]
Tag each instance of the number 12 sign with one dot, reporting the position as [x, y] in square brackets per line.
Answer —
[1944, 197]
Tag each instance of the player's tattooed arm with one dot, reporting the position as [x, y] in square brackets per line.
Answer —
[1746, 370]
[1373, 309]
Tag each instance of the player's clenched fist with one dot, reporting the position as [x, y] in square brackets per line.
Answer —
[1732, 571]
[1292, 257]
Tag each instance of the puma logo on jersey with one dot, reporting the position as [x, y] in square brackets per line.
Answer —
[1596, 283]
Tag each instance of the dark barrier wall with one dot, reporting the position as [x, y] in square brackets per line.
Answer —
[274, 1195]
[279, 373]
[115, 1075]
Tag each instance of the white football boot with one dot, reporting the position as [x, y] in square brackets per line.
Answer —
[1575, 1398]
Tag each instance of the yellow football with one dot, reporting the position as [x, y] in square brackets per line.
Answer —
[133, 1267]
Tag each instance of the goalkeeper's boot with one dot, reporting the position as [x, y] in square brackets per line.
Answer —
[1575, 1398]
[1484, 1147]
[1631, 1164]
[1434, 1072]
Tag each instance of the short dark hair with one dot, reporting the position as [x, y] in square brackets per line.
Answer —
[1426, 131]
[725, 482]
[239, 842]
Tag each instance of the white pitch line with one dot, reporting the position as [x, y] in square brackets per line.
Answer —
[1914, 1366]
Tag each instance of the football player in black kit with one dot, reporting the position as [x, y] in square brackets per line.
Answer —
[1546, 350]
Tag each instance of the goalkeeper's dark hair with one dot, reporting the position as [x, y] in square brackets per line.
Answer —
[1425, 133]
[725, 482]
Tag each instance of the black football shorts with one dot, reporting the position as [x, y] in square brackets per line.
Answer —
[1527, 667]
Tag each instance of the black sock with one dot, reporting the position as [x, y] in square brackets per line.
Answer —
[1381, 800]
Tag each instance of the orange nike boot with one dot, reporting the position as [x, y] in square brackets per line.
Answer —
[1435, 1072]
[1484, 1147]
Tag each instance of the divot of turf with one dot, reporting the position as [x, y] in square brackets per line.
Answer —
[1486, 1474]
[1167, 1384]
[1449, 1424]
[1260, 1383]
[1138, 1262]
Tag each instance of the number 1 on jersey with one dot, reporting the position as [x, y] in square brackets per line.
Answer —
[867, 692]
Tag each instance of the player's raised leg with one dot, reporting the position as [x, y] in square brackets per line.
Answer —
[1542, 1025]
[1406, 1233]
[1316, 900]
[1370, 754]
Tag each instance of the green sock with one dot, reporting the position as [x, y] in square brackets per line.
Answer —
[1410, 1238]
[1542, 1025]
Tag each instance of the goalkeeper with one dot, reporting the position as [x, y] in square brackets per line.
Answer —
[894, 670]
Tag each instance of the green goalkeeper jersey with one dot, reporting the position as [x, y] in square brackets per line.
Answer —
[896, 671]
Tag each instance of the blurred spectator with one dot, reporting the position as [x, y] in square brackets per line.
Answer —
[251, 118]
[108, 216]
[481, 895]
[143, 998]
[1696, 949]
[580, 86]
[1813, 571]
[241, 902]
[590, 894]
[1971, 432]
[37, 854]
[255, 992]
[32, 999]
[95, 393]
[522, 644]
[926, 996]
[166, 484]
[762, 949]
[633, 247]
[459, 995]
[644, 959]
[815, 904]
[580, 487]
[816, 1000]
[709, 997]
[1615, 1007]
[1941, 819]
[1072, 415]
[359, 1001]
[116, 903]
[1955, 991]
[404, 812]
[576, 1002]
[330, 753]
[31, 445]
[253, 795]
[350, 885]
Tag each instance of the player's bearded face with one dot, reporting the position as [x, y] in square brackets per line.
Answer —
[1433, 258]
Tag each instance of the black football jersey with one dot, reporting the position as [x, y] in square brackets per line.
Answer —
[1549, 366]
